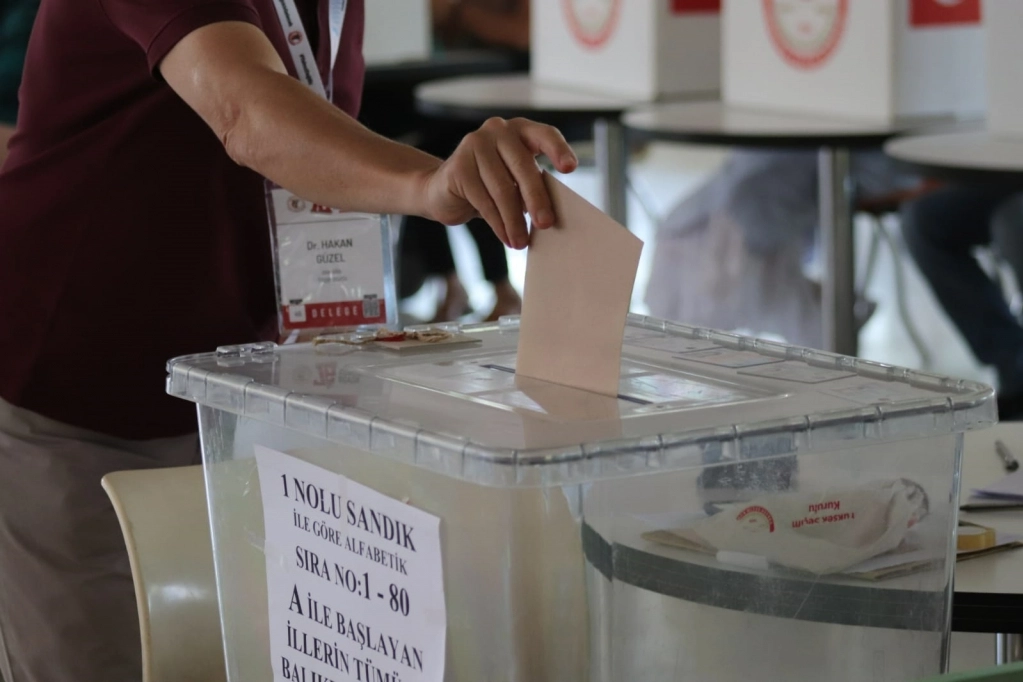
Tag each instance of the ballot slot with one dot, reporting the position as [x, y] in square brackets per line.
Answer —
[641, 387]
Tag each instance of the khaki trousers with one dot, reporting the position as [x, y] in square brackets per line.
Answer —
[67, 603]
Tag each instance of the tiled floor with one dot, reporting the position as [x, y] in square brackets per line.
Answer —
[662, 177]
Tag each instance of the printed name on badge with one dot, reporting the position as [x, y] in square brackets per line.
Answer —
[354, 579]
[331, 266]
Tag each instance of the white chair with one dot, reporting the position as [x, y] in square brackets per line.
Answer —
[165, 522]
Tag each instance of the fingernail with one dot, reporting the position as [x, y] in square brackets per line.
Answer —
[568, 160]
[545, 218]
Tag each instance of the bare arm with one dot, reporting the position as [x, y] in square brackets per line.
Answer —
[230, 74]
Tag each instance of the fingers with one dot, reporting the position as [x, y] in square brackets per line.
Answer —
[477, 194]
[498, 176]
[522, 165]
[547, 140]
[503, 191]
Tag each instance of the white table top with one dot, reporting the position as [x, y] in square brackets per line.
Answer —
[714, 122]
[512, 95]
[999, 573]
[975, 152]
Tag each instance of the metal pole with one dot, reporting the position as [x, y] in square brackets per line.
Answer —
[1008, 649]
[839, 285]
[612, 157]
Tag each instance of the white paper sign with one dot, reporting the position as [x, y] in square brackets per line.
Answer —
[354, 579]
[330, 265]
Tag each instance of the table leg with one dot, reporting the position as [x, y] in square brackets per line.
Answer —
[612, 157]
[1008, 649]
[836, 222]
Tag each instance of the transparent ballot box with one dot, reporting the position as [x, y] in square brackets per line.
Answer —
[742, 510]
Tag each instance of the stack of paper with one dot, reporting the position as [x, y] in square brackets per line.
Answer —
[1009, 488]
[1005, 494]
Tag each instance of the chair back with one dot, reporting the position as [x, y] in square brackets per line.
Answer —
[166, 527]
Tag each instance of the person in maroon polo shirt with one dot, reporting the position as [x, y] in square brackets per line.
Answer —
[132, 230]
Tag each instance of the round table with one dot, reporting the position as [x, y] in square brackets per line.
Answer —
[989, 590]
[715, 123]
[964, 156]
[478, 98]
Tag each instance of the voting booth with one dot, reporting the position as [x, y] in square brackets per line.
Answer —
[1004, 54]
[873, 60]
[397, 31]
[642, 49]
[742, 510]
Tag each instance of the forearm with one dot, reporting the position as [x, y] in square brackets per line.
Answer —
[270, 122]
[231, 76]
[290, 135]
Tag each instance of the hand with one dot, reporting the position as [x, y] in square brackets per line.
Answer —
[493, 175]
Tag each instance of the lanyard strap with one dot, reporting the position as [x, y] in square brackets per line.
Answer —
[298, 43]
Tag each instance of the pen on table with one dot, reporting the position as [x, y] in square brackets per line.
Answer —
[1006, 455]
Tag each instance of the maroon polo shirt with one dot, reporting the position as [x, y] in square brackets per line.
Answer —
[127, 235]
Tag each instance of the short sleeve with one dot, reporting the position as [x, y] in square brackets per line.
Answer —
[157, 25]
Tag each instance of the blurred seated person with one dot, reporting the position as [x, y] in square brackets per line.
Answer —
[16, 18]
[485, 23]
[942, 228]
[731, 255]
[424, 246]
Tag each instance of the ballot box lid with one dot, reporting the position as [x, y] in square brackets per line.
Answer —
[685, 394]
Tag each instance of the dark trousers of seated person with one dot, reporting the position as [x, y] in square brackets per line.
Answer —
[942, 229]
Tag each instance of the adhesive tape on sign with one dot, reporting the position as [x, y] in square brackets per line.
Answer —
[972, 538]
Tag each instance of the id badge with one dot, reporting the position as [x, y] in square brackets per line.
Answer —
[334, 270]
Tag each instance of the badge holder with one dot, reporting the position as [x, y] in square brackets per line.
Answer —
[333, 270]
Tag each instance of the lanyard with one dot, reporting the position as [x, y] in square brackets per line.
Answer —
[298, 43]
